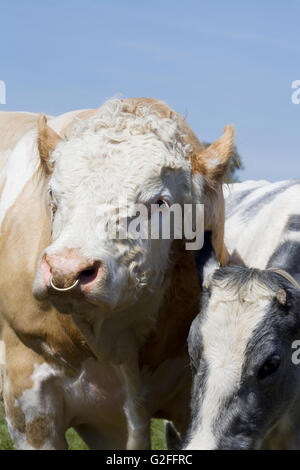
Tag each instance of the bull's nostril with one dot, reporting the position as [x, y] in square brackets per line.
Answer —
[90, 274]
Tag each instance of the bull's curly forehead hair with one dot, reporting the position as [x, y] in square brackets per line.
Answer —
[118, 121]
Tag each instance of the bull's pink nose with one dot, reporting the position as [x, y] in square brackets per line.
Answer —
[67, 267]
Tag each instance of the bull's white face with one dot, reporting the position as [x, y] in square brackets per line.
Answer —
[113, 161]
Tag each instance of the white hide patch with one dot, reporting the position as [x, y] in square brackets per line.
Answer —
[32, 401]
[2, 354]
[231, 319]
[21, 166]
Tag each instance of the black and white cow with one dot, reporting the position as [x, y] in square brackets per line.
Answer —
[246, 377]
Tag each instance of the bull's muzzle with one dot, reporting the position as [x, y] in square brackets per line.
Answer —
[69, 269]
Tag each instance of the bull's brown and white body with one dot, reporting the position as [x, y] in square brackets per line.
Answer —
[110, 356]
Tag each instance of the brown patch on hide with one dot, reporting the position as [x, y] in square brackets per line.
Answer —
[17, 419]
[38, 431]
[179, 308]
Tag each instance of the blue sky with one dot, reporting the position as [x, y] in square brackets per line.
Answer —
[218, 61]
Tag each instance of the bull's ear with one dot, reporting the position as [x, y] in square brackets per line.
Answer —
[206, 260]
[47, 142]
[213, 162]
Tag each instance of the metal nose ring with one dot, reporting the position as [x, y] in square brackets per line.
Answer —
[63, 289]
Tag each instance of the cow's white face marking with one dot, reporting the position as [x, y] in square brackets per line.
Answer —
[110, 161]
[226, 329]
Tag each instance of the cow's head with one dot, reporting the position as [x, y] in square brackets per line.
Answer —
[110, 162]
[241, 349]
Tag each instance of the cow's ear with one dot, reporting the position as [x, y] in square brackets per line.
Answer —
[213, 161]
[206, 260]
[47, 142]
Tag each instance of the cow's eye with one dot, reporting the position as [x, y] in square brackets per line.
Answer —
[194, 368]
[269, 367]
[161, 203]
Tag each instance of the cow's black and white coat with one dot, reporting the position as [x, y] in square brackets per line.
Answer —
[246, 388]
[263, 223]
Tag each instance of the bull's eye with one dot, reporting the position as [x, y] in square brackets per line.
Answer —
[50, 196]
[53, 209]
[269, 367]
[52, 203]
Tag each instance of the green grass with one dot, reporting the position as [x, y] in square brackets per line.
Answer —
[5, 441]
[158, 440]
[74, 441]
